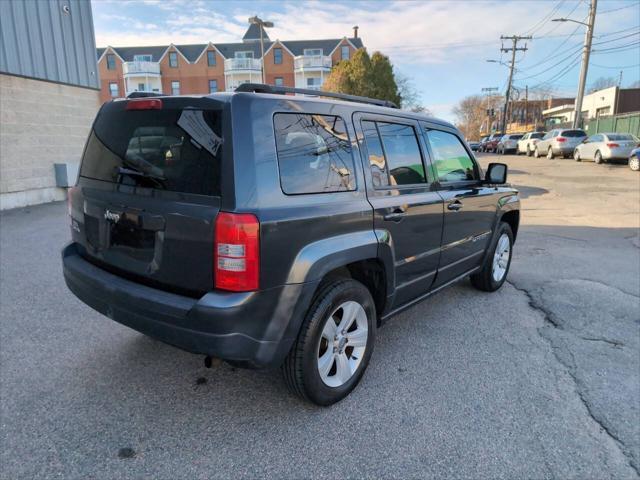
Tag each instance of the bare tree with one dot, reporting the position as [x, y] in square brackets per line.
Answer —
[635, 84]
[471, 112]
[411, 99]
[603, 82]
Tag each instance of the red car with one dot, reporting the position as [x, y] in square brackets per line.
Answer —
[492, 143]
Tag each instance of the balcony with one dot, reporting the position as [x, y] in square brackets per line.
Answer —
[312, 63]
[232, 65]
[140, 69]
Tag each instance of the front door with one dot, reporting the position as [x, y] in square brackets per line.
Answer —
[469, 206]
[408, 212]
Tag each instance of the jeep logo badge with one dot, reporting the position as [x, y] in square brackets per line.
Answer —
[111, 216]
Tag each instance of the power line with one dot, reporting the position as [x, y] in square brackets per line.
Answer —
[567, 15]
[617, 66]
[620, 48]
[544, 19]
[619, 8]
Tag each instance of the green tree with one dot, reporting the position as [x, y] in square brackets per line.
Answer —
[368, 76]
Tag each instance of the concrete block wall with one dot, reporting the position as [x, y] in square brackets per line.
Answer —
[41, 123]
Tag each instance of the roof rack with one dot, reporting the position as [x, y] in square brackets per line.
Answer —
[263, 88]
[144, 94]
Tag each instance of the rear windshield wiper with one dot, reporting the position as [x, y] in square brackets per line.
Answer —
[157, 179]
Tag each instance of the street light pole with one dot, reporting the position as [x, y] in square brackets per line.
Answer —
[261, 25]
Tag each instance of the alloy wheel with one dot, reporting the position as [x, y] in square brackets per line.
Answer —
[501, 258]
[342, 344]
[634, 163]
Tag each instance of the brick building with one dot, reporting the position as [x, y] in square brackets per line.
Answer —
[213, 67]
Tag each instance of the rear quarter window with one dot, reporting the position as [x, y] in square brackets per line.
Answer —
[314, 153]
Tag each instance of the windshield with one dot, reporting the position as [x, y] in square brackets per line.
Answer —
[573, 133]
[169, 149]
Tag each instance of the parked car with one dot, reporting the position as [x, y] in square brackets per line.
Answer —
[508, 143]
[492, 142]
[606, 147]
[528, 142]
[483, 142]
[473, 145]
[634, 159]
[559, 142]
[249, 228]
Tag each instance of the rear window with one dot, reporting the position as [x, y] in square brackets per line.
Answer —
[314, 153]
[515, 137]
[169, 149]
[574, 133]
[621, 137]
[537, 135]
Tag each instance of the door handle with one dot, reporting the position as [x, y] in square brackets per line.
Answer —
[455, 206]
[396, 216]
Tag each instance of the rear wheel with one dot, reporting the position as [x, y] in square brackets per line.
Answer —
[634, 163]
[550, 154]
[497, 261]
[598, 157]
[576, 155]
[334, 345]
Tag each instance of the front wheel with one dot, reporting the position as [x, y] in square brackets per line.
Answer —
[634, 163]
[598, 158]
[333, 348]
[550, 154]
[497, 261]
[536, 153]
[576, 155]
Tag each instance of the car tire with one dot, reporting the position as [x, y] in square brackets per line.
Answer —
[550, 154]
[497, 261]
[634, 163]
[576, 155]
[598, 157]
[342, 369]
[536, 153]
[528, 151]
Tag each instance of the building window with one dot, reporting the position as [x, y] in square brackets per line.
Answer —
[314, 153]
[243, 54]
[142, 58]
[312, 52]
[111, 61]
[211, 58]
[173, 59]
[344, 52]
[175, 87]
[277, 56]
[141, 87]
[278, 82]
[113, 90]
[213, 86]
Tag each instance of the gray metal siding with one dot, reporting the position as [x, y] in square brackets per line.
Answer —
[39, 40]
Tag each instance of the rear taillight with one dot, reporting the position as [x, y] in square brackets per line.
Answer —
[561, 139]
[237, 252]
[612, 145]
[144, 104]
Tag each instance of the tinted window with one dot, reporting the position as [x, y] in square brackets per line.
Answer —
[156, 149]
[621, 137]
[377, 162]
[573, 133]
[402, 154]
[537, 135]
[211, 58]
[314, 153]
[515, 137]
[452, 162]
[277, 56]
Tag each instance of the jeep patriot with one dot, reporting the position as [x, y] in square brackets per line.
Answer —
[273, 230]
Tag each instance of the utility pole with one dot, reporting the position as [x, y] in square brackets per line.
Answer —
[526, 105]
[515, 39]
[586, 51]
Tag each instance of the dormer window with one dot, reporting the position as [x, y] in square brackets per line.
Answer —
[312, 52]
[245, 54]
[142, 58]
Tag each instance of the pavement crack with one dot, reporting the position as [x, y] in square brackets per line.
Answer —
[572, 372]
[613, 343]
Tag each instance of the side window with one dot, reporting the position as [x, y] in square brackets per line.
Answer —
[402, 152]
[452, 162]
[377, 162]
[555, 133]
[314, 153]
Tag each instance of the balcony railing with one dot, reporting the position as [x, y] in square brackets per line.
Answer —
[312, 62]
[141, 68]
[238, 64]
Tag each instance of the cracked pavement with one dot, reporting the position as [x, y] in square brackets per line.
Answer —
[538, 380]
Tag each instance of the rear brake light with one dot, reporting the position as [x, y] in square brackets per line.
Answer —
[237, 252]
[561, 139]
[612, 145]
[144, 104]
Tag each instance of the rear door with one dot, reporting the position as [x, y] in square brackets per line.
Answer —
[408, 212]
[469, 206]
[149, 190]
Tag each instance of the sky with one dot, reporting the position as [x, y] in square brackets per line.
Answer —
[441, 46]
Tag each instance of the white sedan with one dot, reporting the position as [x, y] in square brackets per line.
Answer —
[527, 143]
[604, 147]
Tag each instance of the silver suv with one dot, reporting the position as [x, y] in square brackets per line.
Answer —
[559, 142]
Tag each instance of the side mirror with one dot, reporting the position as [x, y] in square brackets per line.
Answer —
[496, 174]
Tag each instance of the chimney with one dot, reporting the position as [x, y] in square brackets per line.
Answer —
[355, 31]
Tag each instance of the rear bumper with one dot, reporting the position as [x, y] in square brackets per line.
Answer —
[563, 150]
[253, 328]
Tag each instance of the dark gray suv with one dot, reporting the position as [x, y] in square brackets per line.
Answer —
[278, 230]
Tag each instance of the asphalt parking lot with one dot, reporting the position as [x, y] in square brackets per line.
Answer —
[539, 380]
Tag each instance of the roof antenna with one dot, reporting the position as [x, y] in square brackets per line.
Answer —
[355, 31]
